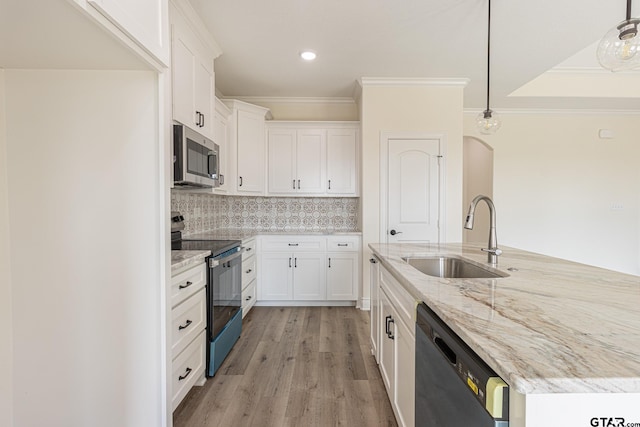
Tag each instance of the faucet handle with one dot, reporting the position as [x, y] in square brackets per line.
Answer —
[494, 251]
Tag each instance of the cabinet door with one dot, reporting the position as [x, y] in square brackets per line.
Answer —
[250, 137]
[145, 21]
[310, 161]
[375, 307]
[309, 281]
[342, 276]
[387, 344]
[183, 74]
[203, 97]
[276, 275]
[404, 396]
[342, 154]
[220, 137]
[281, 166]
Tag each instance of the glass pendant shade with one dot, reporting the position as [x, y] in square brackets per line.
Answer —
[618, 49]
[488, 122]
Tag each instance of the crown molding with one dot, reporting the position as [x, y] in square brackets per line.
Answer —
[295, 100]
[590, 70]
[192, 17]
[410, 81]
[542, 111]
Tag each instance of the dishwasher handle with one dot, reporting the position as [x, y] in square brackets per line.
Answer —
[447, 352]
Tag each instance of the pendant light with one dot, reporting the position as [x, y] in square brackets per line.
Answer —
[488, 121]
[619, 49]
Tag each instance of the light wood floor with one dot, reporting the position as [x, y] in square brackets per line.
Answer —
[294, 366]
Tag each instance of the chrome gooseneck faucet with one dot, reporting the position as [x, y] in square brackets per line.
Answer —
[493, 251]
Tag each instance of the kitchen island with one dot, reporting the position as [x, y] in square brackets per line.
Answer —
[564, 336]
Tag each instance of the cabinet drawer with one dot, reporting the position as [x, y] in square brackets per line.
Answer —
[187, 283]
[187, 321]
[294, 244]
[249, 249]
[187, 368]
[248, 271]
[403, 302]
[343, 243]
[248, 297]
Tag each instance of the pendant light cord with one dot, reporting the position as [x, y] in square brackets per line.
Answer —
[628, 9]
[489, 51]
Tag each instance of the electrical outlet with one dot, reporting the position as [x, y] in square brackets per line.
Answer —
[617, 206]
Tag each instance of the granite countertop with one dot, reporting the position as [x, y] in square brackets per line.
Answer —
[552, 326]
[245, 234]
[181, 259]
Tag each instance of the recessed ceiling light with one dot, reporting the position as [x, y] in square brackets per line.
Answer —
[308, 55]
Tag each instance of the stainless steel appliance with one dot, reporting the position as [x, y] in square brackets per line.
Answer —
[223, 291]
[454, 387]
[196, 160]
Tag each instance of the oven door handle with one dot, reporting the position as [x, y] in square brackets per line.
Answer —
[216, 262]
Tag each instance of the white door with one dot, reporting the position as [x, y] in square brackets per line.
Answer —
[250, 153]
[276, 277]
[413, 190]
[342, 269]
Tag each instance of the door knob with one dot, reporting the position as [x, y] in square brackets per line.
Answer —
[394, 232]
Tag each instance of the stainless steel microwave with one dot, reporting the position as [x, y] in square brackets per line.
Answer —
[196, 159]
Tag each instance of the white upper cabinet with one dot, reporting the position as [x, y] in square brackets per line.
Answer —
[193, 82]
[342, 161]
[246, 148]
[143, 21]
[221, 137]
[296, 161]
[312, 158]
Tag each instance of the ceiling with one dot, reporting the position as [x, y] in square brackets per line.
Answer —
[261, 41]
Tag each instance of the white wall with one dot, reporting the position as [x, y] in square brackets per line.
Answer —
[477, 179]
[426, 109]
[555, 183]
[83, 195]
[6, 335]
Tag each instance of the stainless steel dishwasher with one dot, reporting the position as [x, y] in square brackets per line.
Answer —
[454, 387]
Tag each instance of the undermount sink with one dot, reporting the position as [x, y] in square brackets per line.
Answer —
[452, 268]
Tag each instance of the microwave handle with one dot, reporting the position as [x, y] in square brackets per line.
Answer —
[209, 156]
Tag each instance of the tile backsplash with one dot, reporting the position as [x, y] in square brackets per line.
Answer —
[208, 212]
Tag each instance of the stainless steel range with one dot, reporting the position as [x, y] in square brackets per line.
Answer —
[224, 287]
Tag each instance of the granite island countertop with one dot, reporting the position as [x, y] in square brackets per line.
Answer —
[552, 326]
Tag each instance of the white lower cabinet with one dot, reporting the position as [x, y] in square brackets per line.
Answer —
[309, 268]
[396, 346]
[292, 276]
[374, 280]
[188, 325]
[249, 274]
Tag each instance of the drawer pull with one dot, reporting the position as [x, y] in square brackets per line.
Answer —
[248, 249]
[293, 244]
[248, 271]
[186, 374]
[185, 326]
[185, 285]
[248, 298]
[343, 244]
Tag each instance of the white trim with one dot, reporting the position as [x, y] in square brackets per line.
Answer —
[193, 19]
[524, 111]
[411, 81]
[588, 70]
[364, 304]
[288, 303]
[296, 100]
[385, 136]
[313, 124]
[232, 104]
